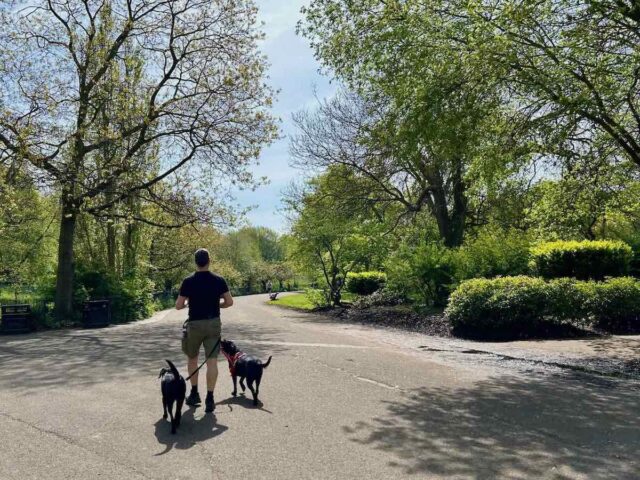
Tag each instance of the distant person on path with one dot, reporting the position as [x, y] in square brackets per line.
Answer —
[269, 286]
[202, 293]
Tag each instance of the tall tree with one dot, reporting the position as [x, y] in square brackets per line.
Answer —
[422, 111]
[202, 99]
[574, 60]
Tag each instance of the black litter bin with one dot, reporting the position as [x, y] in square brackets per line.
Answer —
[16, 319]
[96, 314]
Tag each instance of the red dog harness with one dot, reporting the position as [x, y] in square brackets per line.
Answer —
[233, 360]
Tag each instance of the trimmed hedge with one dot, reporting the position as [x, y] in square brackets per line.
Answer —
[582, 260]
[513, 307]
[365, 283]
[613, 305]
[506, 306]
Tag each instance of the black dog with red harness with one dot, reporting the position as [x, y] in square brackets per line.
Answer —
[244, 366]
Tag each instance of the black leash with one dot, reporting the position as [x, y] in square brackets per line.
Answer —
[205, 360]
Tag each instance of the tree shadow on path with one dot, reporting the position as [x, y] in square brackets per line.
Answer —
[87, 357]
[561, 427]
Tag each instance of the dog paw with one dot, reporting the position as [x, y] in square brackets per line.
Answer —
[235, 394]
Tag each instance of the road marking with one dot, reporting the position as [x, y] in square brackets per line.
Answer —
[379, 384]
[301, 344]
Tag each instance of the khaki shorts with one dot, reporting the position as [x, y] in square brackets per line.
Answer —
[202, 332]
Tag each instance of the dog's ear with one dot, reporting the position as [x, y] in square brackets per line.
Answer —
[162, 372]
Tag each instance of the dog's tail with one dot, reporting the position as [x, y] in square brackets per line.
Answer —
[173, 369]
[265, 365]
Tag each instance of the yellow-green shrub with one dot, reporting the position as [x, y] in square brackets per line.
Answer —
[582, 260]
[511, 307]
[507, 306]
[613, 305]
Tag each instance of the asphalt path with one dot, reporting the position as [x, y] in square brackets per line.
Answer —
[340, 402]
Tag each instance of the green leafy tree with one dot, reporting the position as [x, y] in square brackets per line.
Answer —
[567, 61]
[202, 100]
[423, 112]
[330, 243]
[27, 235]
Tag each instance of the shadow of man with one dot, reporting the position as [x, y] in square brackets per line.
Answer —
[192, 430]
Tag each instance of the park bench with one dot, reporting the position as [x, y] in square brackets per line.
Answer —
[96, 314]
[16, 319]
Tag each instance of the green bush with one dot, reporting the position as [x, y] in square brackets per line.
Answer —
[425, 273]
[567, 302]
[429, 272]
[494, 252]
[508, 306]
[582, 260]
[131, 297]
[512, 307]
[365, 283]
[613, 305]
[318, 298]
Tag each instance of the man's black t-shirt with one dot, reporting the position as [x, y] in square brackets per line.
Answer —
[203, 289]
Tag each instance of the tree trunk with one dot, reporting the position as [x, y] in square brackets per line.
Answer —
[111, 248]
[450, 220]
[459, 211]
[66, 266]
[130, 248]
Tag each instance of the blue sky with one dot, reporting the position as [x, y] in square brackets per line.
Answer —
[294, 72]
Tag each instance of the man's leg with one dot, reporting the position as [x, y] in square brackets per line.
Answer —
[194, 397]
[192, 364]
[191, 347]
[212, 348]
[212, 378]
[212, 374]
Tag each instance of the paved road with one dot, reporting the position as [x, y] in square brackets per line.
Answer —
[340, 402]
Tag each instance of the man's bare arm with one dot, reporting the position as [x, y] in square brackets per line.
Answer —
[181, 302]
[227, 300]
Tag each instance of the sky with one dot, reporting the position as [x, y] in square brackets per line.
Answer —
[294, 72]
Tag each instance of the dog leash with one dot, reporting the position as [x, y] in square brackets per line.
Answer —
[205, 360]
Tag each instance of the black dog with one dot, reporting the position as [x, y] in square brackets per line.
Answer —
[174, 389]
[244, 366]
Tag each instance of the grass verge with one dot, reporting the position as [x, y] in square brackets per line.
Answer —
[298, 300]
[301, 301]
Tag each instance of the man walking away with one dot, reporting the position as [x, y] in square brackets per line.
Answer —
[202, 292]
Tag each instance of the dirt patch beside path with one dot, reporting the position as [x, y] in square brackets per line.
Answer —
[402, 317]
